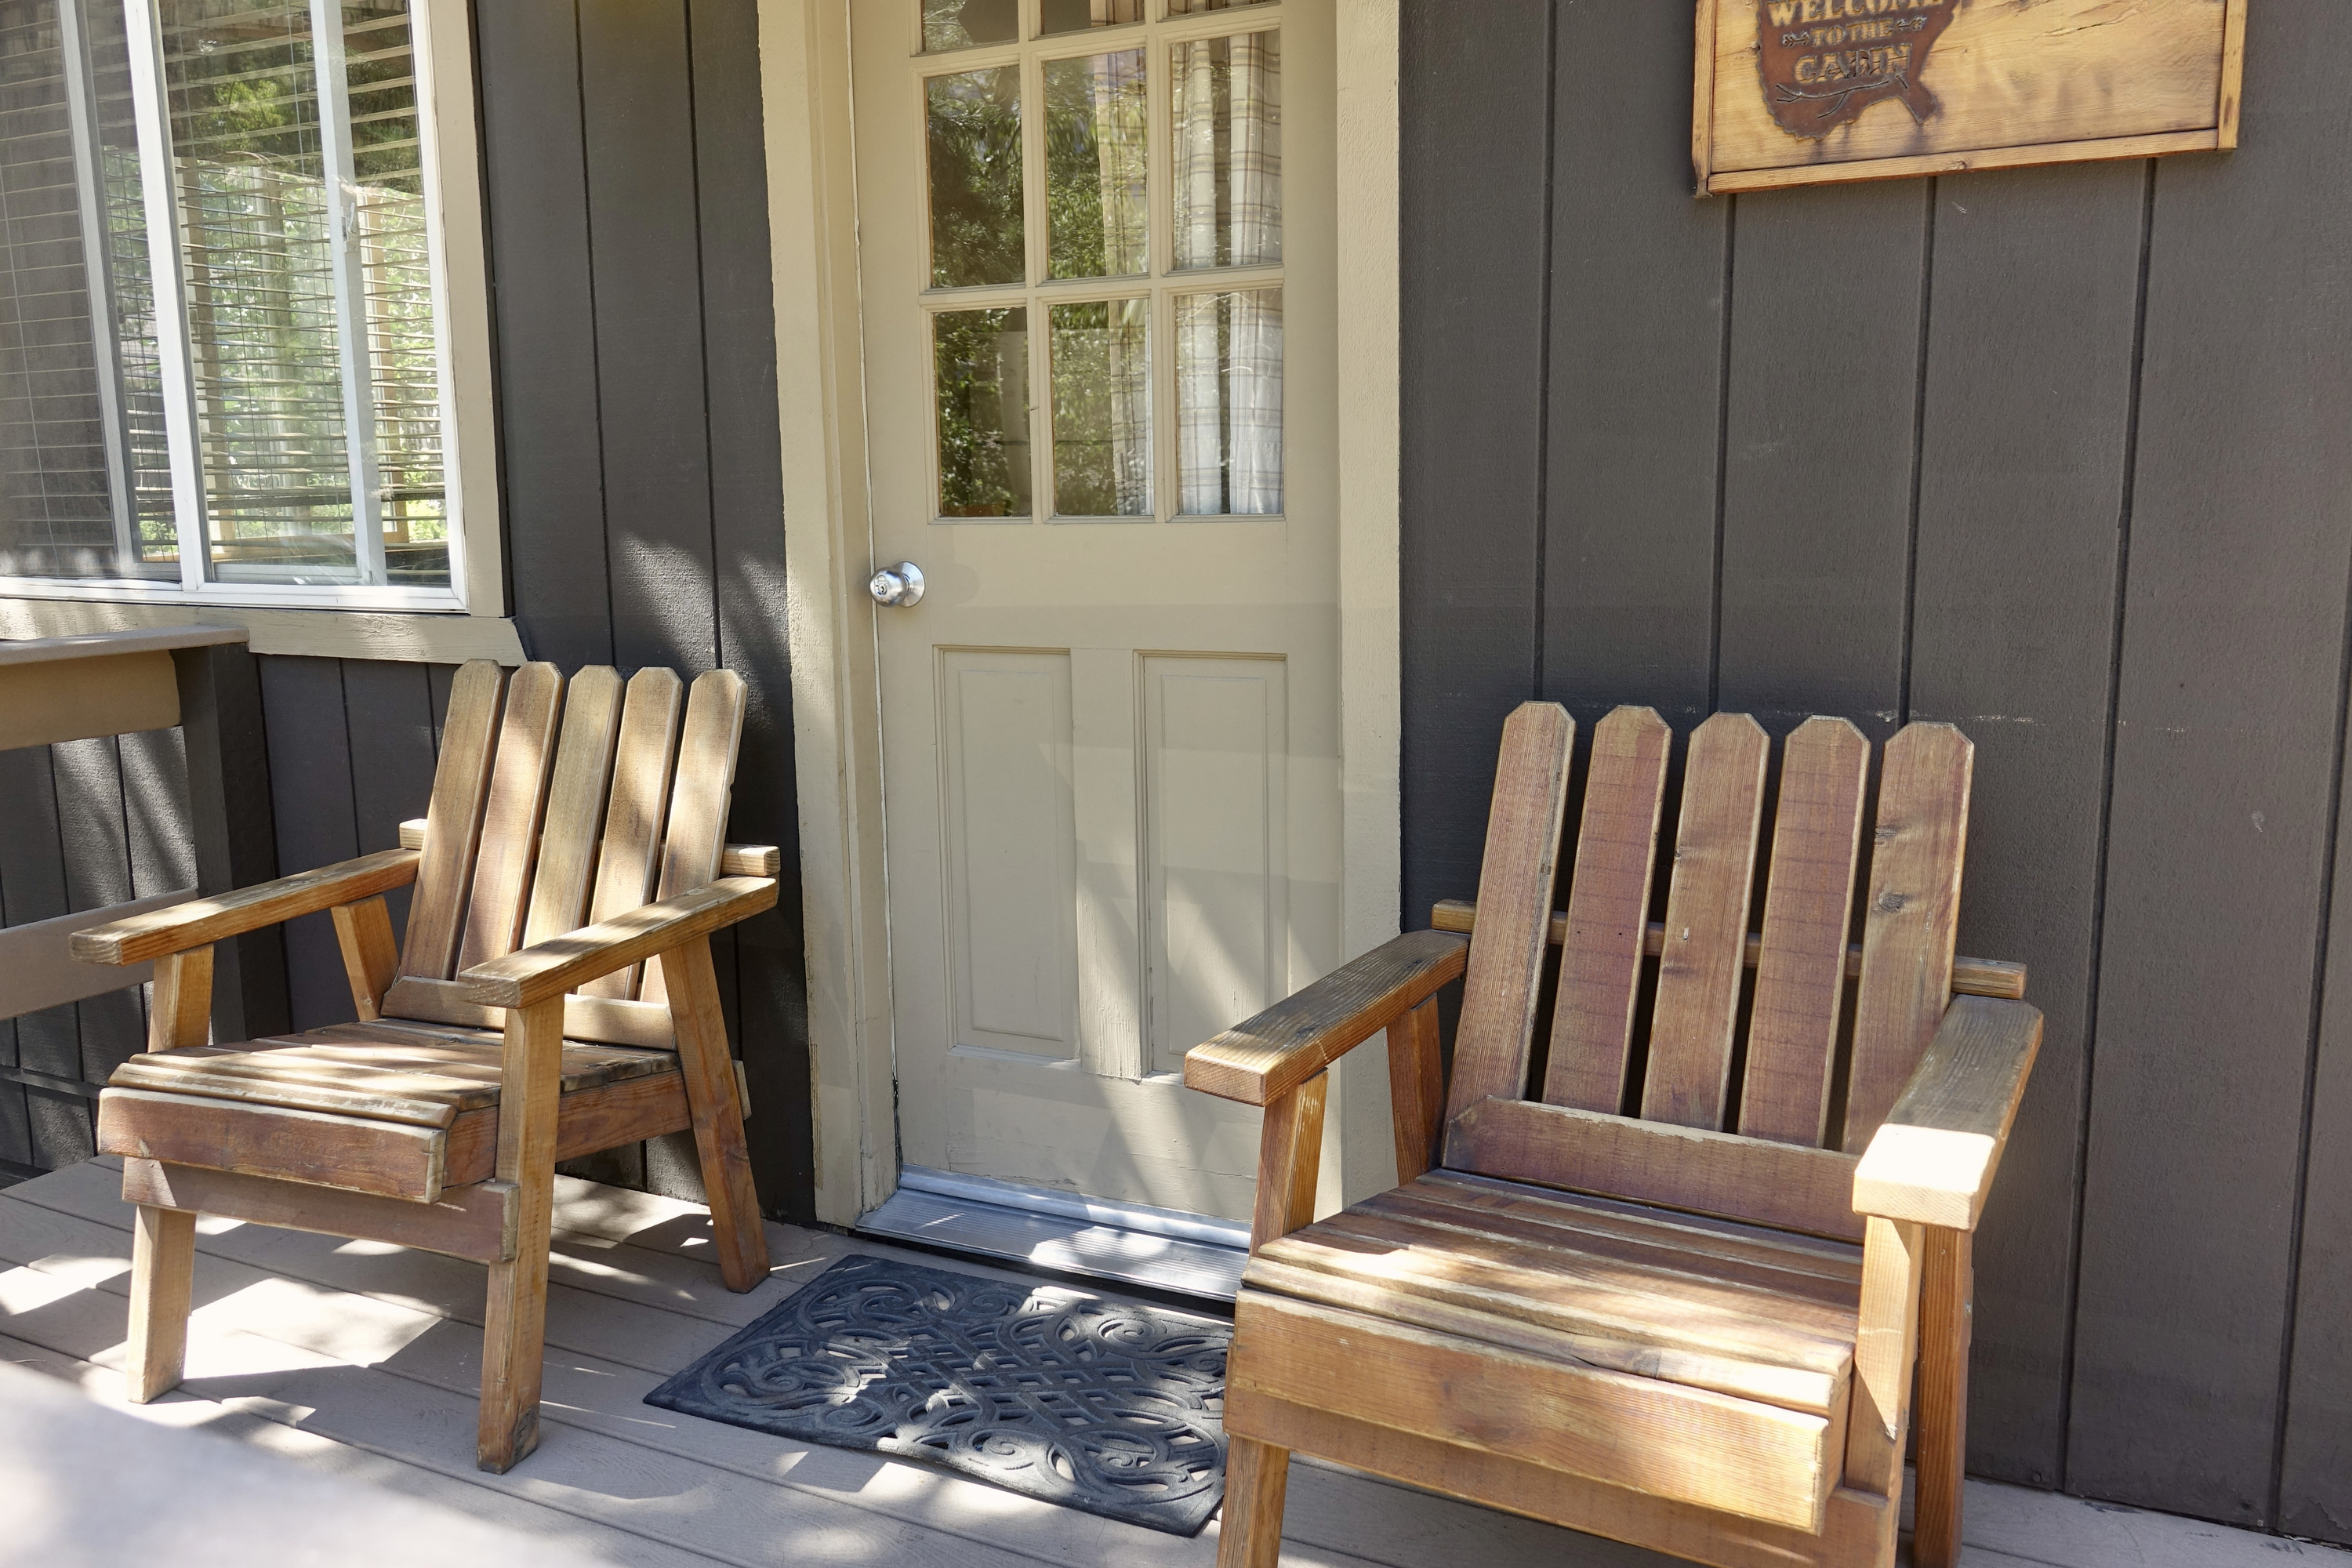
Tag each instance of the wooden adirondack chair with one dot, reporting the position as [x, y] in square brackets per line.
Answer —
[1613, 1294]
[500, 1038]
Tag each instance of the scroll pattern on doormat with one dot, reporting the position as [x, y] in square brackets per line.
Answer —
[1096, 1405]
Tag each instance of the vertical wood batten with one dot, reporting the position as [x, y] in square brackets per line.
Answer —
[2223, 797]
[310, 790]
[637, 102]
[2028, 393]
[748, 538]
[1476, 120]
[1817, 454]
[552, 465]
[1637, 316]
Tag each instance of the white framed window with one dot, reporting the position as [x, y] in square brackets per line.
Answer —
[244, 344]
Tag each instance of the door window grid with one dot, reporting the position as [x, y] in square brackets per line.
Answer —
[1206, 377]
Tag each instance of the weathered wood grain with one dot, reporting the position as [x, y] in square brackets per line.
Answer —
[515, 1323]
[696, 831]
[390, 1159]
[202, 921]
[1289, 1161]
[1976, 977]
[561, 880]
[162, 1274]
[712, 1092]
[1808, 901]
[461, 780]
[1912, 918]
[1249, 1527]
[1516, 879]
[646, 1025]
[1893, 1252]
[475, 1222]
[511, 813]
[1608, 912]
[1290, 1042]
[1658, 1162]
[1758, 1461]
[560, 963]
[1946, 1285]
[1689, 1073]
[370, 952]
[1933, 1159]
[1416, 1089]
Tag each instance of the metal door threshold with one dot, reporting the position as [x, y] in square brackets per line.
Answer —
[1135, 1245]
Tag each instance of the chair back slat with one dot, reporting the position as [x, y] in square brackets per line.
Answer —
[1912, 918]
[629, 864]
[696, 833]
[575, 805]
[1518, 872]
[1808, 906]
[511, 815]
[461, 780]
[1699, 968]
[1608, 908]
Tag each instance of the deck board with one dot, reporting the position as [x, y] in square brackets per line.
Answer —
[361, 1360]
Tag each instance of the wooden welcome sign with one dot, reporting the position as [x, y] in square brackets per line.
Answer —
[1794, 92]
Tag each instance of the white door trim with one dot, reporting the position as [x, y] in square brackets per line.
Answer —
[836, 721]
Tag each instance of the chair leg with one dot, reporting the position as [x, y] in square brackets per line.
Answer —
[514, 1334]
[1945, 1314]
[693, 990]
[1249, 1535]
[162, 1272]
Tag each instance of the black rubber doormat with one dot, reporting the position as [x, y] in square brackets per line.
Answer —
[1101, 1405]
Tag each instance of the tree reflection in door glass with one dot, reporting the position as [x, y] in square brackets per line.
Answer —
[983, 365]
[974, 136]
[1076, 16]
[1095, 113]
[1102, 410]
[962, 24]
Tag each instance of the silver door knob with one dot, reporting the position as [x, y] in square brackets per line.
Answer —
[898, 585]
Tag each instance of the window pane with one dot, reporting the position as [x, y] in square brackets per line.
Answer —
[982, 364]
[79, 496]
[1229, 402]
[975, 177]
[1102, 410]
[1094, 127]
[310, 317]
[1199, 7]
[1226, 95]
[1076, 16]
[962, 24]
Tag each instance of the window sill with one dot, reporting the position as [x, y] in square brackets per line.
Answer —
[405, 636]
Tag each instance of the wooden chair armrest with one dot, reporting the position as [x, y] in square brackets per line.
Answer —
[1933, 1159]
[1259, 1061]
[566, 963]
[200, 922]
[734, 859]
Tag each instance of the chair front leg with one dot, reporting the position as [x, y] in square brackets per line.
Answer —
[164, 1241]
[692, 986]
[514, 1334]
[1946, 1320]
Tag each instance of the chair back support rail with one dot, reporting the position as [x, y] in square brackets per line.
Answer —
[1688, 1060]
[554, 994]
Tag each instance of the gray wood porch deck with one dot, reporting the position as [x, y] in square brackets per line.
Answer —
[360, 1360]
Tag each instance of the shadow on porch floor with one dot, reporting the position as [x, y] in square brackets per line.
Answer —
[361, 1360]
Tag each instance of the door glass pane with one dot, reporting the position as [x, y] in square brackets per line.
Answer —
[1229, 402]
[1226, 99]
[1076, 16]
[982, 366]
[1198, 7]
[1095, 125]
[964, 23]
[975, 177]
[79, 497]
[1102, 410]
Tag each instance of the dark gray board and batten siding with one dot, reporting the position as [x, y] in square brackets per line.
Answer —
[2061, 455]
[627, 217]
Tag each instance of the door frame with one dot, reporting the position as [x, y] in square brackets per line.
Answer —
[829, 620]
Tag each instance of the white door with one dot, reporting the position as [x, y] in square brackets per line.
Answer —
[1096, 277]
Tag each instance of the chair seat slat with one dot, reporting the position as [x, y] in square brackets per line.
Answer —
[1808, 901]
[1608, 911]
[1707, 923]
